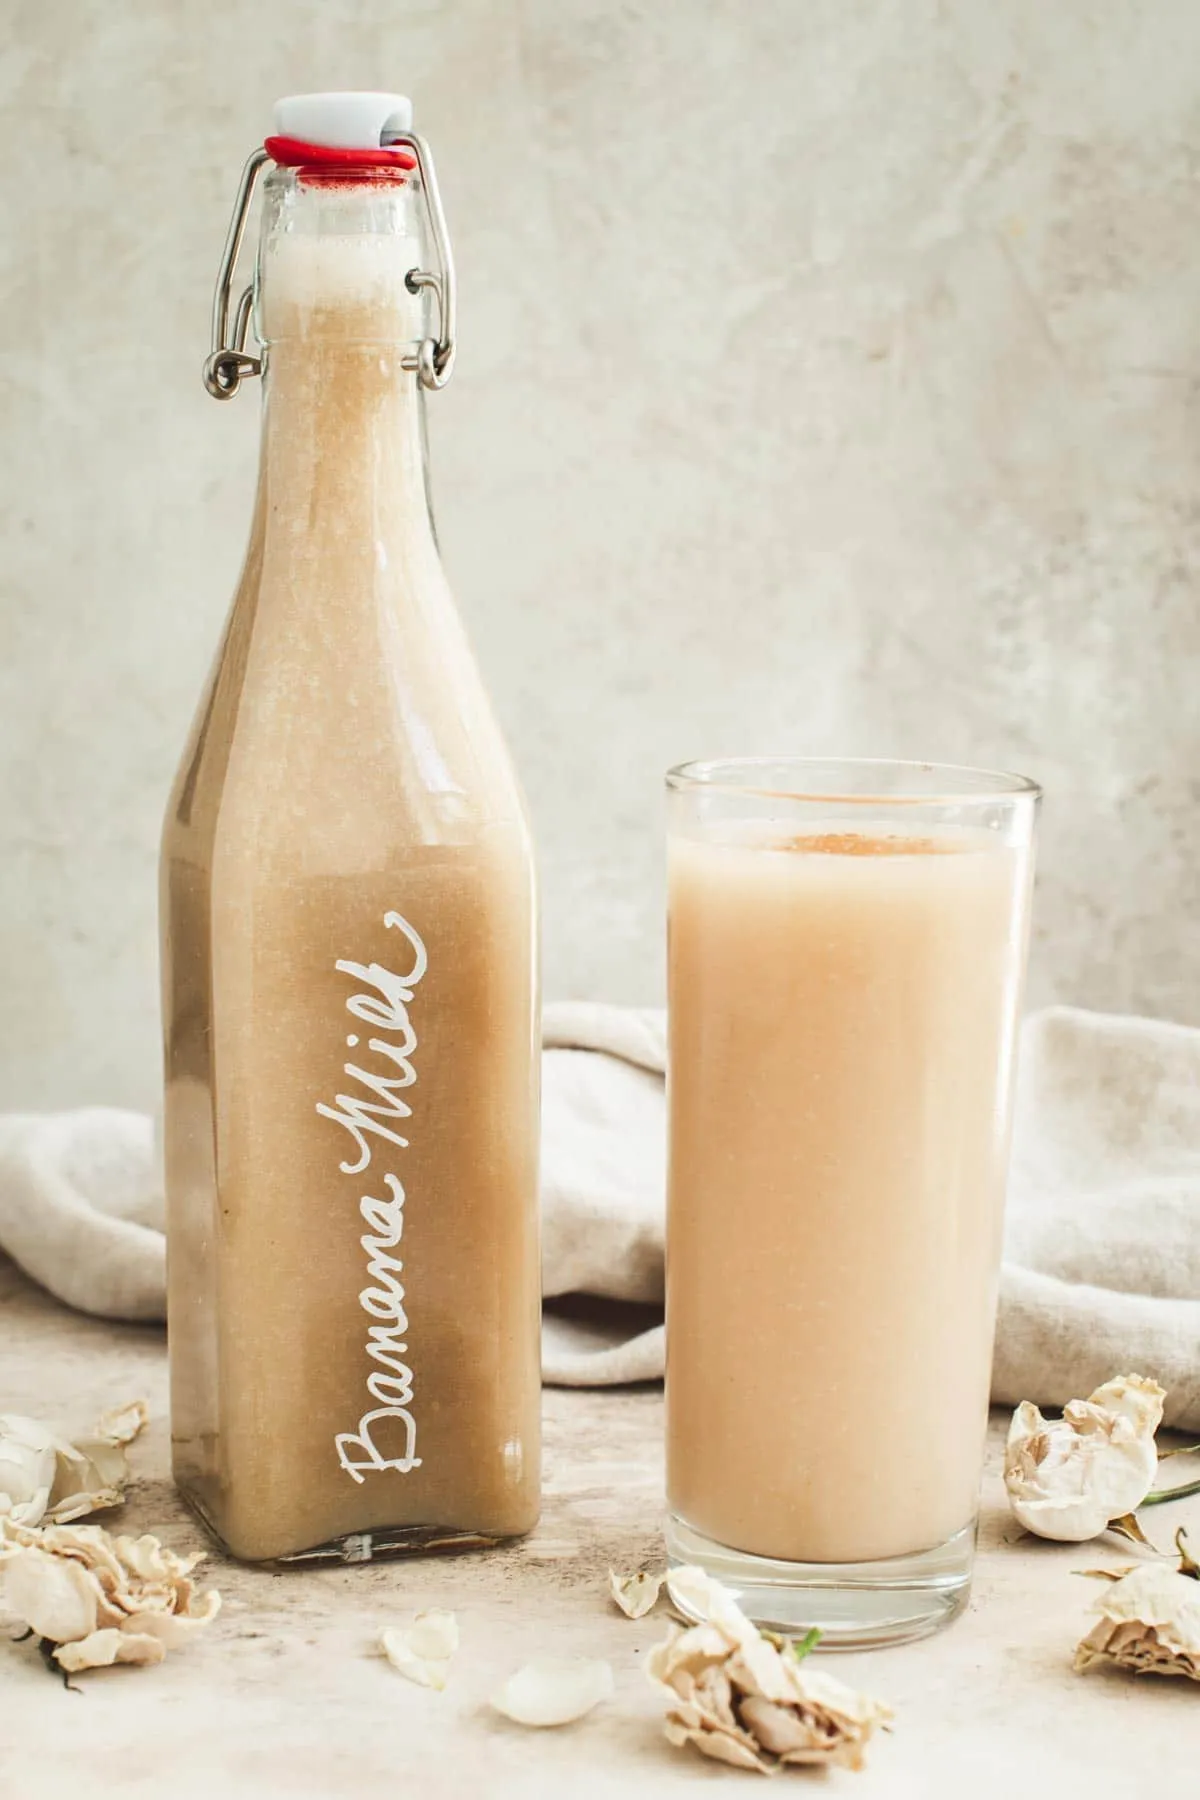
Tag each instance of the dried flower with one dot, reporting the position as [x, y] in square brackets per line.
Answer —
[554, 1693]
[28, 1465]
[1149, 1622]
[746, 1698]
[636, 1595]
[1066, 1478]
[43, 1477]
[423, 1650]
[80, 1589]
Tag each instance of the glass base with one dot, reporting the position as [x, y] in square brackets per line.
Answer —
[400, 1540]
[855, 1606]
[357, 1546]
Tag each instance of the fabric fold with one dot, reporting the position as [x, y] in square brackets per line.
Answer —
[81, 1208]
[1102, 1250]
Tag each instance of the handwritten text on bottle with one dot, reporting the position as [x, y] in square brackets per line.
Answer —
[370, 1115]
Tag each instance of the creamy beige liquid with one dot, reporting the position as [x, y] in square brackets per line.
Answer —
[841, 1019]
[346, 797]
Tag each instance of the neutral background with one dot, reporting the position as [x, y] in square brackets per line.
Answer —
[828, 382]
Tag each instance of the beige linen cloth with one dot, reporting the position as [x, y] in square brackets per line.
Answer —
[1102, 1248]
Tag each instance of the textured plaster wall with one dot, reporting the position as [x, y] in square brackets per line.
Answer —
[828, 381]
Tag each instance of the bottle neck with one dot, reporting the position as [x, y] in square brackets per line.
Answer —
[344, 421]
[334, 256]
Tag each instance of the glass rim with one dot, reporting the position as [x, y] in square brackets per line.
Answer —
[958, 783]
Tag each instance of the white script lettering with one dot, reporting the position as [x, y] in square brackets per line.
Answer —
[383, 1299]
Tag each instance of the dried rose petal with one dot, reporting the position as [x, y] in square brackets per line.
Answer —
[104, 1648]
[149, 1559]
[56, 1598]
[29, 1456]
[42, 1476]
[121, 1424]
[554, 1692]
[636, 1595]
[423, 1650]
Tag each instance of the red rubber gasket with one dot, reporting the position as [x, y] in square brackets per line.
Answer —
[294, 153]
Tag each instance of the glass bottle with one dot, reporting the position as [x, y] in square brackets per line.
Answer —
[349, 931]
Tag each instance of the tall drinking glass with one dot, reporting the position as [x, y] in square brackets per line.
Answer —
[847, 946]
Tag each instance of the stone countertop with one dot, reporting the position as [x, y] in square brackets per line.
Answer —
[286, 1695]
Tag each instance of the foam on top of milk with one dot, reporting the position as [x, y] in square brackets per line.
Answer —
[841, 838]
[361, 272]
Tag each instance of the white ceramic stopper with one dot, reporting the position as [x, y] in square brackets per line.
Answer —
[343, 121]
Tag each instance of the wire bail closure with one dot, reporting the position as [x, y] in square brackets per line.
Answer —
[434, 361]
[228, 363]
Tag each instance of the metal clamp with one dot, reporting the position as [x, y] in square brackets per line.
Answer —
[228, 364]
[434, 361]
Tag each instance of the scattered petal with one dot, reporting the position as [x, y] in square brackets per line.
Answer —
[636, 1595]
[56, 1598]
[150, 1560]
[745, 1698]
[29, 1457]
[1149, 1622]
[172, 1628]
[709, 1601]
[554, 1693]
[430, 1672]
[81, 1506]
[45, 1477]
[721, 1746]
[423, 1650]
[104, 1648]
[434, 1634]
[1067, 1478]
[121, 1424]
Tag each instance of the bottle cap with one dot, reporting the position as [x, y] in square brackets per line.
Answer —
[343, 121]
